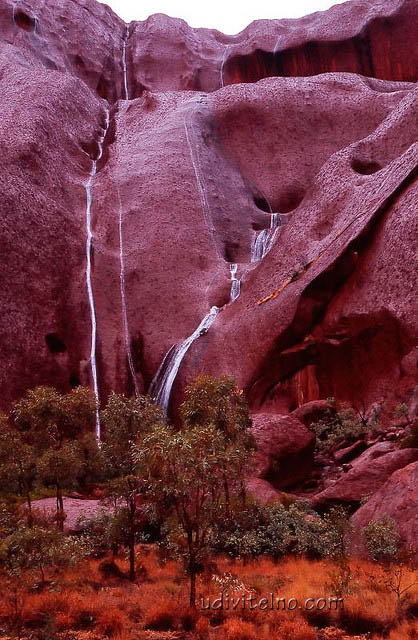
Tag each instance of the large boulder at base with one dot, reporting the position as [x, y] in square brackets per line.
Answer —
[285, 453]
[262, 490]
[365, 478]
[397, 499]
[313, 411]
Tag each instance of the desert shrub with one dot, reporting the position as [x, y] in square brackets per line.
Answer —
[237, 629]
[344, 424]
[202, 628]
[296, 629]
[112, 621]
[382, 539]
[162, 616]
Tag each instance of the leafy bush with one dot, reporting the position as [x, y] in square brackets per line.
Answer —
[340, 425]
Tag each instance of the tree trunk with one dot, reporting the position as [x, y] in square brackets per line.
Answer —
[29, 501]
[132, 538]
[60, 508]
[192, 575]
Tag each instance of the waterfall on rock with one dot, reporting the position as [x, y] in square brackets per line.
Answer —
[224, 58]
[124, 64]
[265, 239]
[89, 247]
[235, 282]
[126, 330]
[161, 386]
[124, 305]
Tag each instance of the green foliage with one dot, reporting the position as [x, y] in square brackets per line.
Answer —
[125, 421]
[61, 466]
[218, 403]
[188, 468]
[344, 424]
[48, 417]
[35, 548]
[17, 460]
[382, 539]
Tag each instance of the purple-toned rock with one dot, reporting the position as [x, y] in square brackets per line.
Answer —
[74, 510]
[285, 449]
[397, 499]
[366, 476]
[262, 490]
[349, 453]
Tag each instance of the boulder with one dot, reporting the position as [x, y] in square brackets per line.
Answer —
[285, 454]
[397, 498]
[262, 490]
[366, 476]
[74, 509]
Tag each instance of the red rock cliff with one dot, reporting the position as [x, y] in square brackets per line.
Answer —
[188, 141]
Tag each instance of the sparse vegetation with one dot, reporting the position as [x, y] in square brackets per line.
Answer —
[177, 526]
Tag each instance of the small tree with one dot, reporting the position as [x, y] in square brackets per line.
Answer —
[126, 422]
[47, 417]
[37, 548]
[344, 424]
[60, 467]
[335, 541]
[17, 463]
[383, 546]
[218, 403]
[188, 468]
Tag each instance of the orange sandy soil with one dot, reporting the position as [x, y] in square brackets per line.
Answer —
[83, 605]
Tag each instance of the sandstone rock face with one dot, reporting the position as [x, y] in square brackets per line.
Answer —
[365, 478]
[205, 137]
[396, 499]
[285, 449]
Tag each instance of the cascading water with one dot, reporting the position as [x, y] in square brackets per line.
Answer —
[126, 330]
[265, 239]
[15, 6]
[123, 299]
[224, 58]
[89, 245]
[161, 386]
[235, 282]
[124, 64]
[188, 128]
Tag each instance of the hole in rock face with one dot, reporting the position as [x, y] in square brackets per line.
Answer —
[289, 200]
[262, 203]
[230, 251]
[25, 22]
[79, 63]
[365, 167]
[54, 343]
[91, 148]
[74, 381]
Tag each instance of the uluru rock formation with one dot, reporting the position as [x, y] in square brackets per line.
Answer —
[177, 201]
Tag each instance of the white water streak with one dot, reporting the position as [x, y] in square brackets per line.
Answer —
[188, 127]
[224, 57]
[162, 384]
[89, 244]
[235, 282]
[124, 64]
[265, 239]
[123, 299]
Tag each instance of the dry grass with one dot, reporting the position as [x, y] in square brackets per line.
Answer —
[156, 605]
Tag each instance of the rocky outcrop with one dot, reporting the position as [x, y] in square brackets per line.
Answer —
[397, 499]
[285, 449]
[366, 476]
[194, 163]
